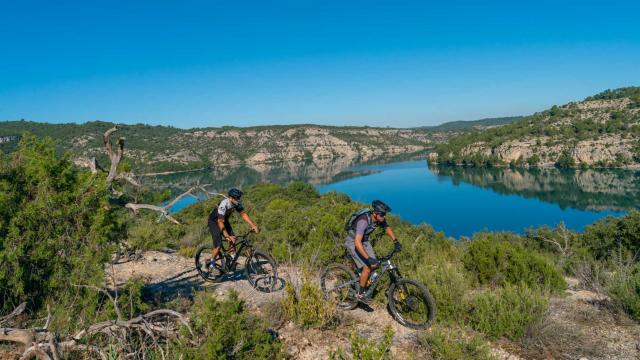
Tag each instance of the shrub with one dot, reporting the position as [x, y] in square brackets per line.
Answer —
[533, 160]
[565, 161]
[493, 260]
[507, 311]
[448, 285]
[364, 349]
[56, 227]
[306, 306]
[225, 330]
[609, 236]
[626, 290]
[454, 344]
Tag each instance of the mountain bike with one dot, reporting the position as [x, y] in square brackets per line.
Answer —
[410, 303]
[259, 267]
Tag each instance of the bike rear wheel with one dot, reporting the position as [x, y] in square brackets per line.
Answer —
[203, 261]
[261, 271]
[337, 283]
[411, 304]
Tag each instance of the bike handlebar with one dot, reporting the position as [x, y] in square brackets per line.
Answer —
[388, 257]
[245, 235]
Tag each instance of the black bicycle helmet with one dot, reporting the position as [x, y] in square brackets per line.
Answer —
[380, 207]
[235, 193]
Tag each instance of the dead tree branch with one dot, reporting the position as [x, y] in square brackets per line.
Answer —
[152, 329]
[115, 156]
[17, 311]
[164, 210]
[564, 244]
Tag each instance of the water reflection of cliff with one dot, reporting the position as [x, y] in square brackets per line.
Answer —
[592, 189]
[316, 172]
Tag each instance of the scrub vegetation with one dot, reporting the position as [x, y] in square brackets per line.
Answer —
[59, 226]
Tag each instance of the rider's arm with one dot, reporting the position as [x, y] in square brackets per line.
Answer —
[389, 232]
[248, 220]
[359, 248]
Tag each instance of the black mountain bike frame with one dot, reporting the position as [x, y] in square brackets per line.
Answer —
[385, 266]
[242, 241]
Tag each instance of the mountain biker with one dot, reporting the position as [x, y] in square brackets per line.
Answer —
[357, 241]
[218, 221]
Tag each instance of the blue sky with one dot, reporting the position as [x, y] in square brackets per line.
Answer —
[243, 63]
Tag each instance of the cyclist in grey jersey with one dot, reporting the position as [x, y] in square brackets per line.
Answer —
[358, 244]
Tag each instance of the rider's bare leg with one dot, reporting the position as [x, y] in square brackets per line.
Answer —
[214, 252]
[364, 276]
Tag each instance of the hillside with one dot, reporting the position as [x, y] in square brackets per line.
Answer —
[471, 125]
[549, 293]
[601, 131]
[168, 148]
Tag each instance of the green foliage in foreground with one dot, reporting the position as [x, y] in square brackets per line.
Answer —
[363, 349]
[226, 330]
[626, 290]
[507, 311]
[449, 284]
[613, 237]
[56, 227]
[306, 306]
[454, 344]
[494, 260]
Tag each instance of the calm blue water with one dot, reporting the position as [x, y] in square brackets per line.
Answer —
[419, 195]
[457, 200]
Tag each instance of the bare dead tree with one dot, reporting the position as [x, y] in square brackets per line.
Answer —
[564, 243]
[115, 156]
[150, 330]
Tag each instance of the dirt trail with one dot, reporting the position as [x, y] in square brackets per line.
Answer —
[169, 276]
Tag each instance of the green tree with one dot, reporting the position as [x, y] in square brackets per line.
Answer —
[56, 225]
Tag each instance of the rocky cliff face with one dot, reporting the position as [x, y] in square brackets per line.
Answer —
[595, 132]
[224, 146]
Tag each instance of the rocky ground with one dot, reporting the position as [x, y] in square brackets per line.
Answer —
[580, 324]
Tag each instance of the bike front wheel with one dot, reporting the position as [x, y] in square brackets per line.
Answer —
[411, 304]
[261, 271]
[337, 283]
[204, 264]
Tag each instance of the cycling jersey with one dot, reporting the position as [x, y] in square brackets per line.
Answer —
[224, 210]
[364, 225]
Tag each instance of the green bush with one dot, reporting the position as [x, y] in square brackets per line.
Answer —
[565, 161]
[493, 260]
[448, 285]
[507, 311]
[626, 290]
[225, 330]
[364, 349]
[454, 344]
[307, 307]
[56, 228]
[613, 236]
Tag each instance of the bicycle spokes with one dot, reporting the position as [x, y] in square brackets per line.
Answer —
[408, 301]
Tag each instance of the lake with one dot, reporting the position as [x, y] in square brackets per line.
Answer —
[456, 200]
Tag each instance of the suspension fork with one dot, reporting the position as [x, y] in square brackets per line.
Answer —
[394, 275]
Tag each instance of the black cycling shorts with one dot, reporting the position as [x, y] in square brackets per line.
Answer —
[216, 234]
